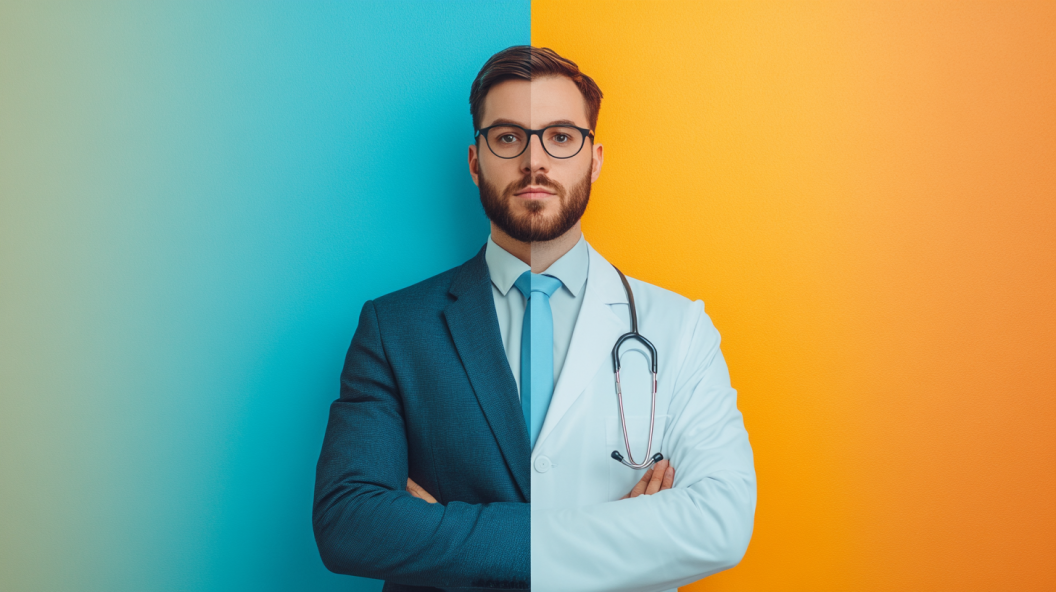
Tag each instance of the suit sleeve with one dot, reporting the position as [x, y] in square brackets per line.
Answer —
[700, 526]
[365, 522]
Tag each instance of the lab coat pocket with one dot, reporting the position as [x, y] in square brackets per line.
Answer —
[623, 478]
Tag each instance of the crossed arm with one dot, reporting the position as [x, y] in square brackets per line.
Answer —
[366, 523]
[699, 526]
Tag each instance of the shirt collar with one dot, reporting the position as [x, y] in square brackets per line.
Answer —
[571, 268]
[503, 266]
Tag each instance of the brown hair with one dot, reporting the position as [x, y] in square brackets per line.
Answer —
[525, 62]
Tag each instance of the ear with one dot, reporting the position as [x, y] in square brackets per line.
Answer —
[474, 165]
[597, 157]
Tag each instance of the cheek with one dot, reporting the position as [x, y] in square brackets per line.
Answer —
[499, 174]
[574, 174]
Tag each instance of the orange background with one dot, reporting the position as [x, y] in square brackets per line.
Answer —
[864, 196]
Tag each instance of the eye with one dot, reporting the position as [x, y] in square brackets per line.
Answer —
[507, 138]
[561, 138]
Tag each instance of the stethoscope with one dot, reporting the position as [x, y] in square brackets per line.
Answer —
[634, 334]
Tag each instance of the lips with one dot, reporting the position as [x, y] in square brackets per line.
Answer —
[534, 192]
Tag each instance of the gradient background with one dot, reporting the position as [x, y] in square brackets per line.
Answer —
[195, 201]
[864, 196]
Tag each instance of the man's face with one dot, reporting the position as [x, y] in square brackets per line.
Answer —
[535, 197]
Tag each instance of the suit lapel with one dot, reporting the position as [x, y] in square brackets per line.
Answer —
[596, 331]
[474, 329]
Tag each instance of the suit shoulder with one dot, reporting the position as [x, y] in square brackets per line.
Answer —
[662, 297]
[677, 309]
[428, 293]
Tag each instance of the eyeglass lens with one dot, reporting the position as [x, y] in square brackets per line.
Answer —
[559, 142]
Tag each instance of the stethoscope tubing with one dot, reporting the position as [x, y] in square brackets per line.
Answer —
[635, 335]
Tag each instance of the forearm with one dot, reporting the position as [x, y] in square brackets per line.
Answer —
[648, 543]
[374, 532]
[367, 524]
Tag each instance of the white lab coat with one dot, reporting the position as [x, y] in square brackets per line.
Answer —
[584, 538]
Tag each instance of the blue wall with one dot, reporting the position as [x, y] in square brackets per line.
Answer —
[195, 202]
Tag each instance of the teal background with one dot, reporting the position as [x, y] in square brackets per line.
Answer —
[195, 201]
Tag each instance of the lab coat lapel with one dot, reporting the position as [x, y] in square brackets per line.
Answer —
[596, 331]
[474, 329]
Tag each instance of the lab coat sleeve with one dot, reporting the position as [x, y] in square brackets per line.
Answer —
[365, 522]
[700, 526]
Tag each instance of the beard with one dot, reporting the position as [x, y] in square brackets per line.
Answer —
[534, 225]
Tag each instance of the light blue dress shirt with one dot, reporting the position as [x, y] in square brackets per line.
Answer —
[505, 268]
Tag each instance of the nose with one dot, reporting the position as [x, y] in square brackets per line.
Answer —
[537, 160]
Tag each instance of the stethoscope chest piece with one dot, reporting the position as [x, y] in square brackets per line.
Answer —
[636, 336]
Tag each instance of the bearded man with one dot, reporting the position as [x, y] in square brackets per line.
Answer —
[472, 443]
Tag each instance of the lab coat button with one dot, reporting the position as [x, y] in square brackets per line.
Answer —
[542, 464]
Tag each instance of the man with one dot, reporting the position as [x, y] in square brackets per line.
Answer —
[470, 394]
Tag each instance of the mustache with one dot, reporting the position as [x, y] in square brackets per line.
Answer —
[539, 180]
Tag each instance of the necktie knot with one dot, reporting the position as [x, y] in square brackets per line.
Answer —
[536, 282]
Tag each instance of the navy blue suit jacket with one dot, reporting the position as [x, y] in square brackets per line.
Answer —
[427, 393]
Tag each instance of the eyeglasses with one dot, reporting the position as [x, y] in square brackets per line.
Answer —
[507, 140]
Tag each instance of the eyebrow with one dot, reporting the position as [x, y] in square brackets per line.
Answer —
[567, 122]
[503, 121]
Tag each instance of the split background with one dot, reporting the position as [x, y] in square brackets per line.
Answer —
[196, 199]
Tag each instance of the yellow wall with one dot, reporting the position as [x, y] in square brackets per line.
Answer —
[863, 196]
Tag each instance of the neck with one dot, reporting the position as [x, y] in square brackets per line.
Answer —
[539, 255]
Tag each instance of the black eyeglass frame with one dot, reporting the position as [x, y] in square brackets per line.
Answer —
[535, 132]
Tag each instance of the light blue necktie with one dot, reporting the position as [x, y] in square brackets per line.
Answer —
[537, 349]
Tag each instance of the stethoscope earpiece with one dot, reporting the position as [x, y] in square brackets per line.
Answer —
[656, 458]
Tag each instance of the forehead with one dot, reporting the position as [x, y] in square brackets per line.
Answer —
[535, 103]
